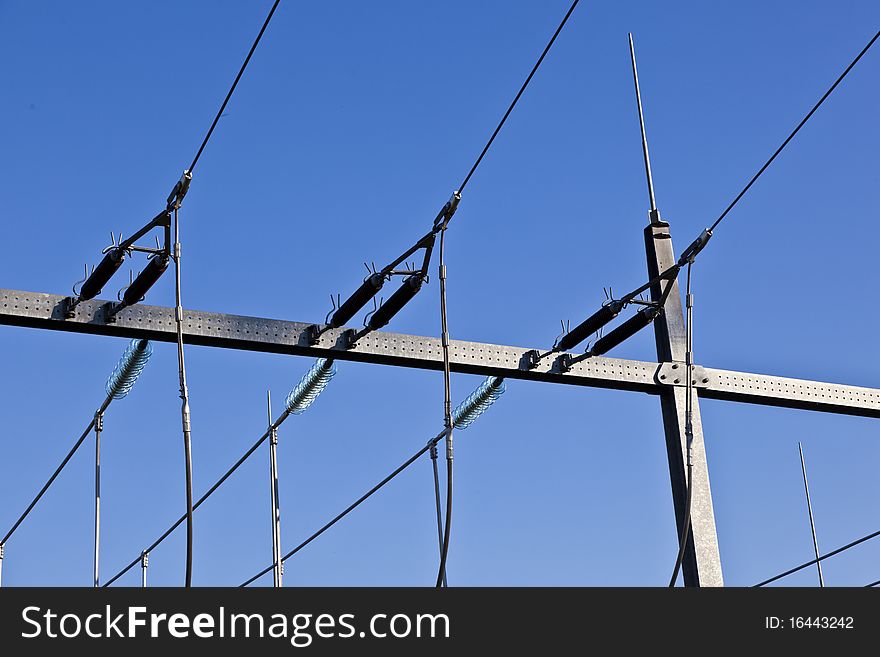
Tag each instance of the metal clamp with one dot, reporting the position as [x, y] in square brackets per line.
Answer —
[448, 210]
[675, 374]
[175, 198]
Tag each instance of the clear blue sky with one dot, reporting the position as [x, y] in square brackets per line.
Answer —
[351, 127]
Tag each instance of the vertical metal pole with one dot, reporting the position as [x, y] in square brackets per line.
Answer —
[184, 397]
[145, 561]
[702, 561]
[273, 485]
[647, 158]
[99, 427]
[810, 511]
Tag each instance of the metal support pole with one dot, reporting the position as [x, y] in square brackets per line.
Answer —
[273, 486]
[145, 562]
[810, 511]
[683, 429]
[702, 561]
[99, 427]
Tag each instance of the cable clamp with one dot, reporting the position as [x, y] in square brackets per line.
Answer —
[99, 421]
[448, 210]
[691, 252]
[145, 559]
[175, 198]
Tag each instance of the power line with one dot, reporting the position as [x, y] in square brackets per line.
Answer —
[412, 459]
[464, 415]
[73, 450]
[199, 502]
[119, 384]
[822, 558]
[517, 97]
[303, 395]
[234, 85]
[795, 131]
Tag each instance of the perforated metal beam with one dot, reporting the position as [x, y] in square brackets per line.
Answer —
[46, 311]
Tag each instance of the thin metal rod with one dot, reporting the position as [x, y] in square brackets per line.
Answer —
[76, 446]
[810, 511]
[244, 457]
[273, 489]
[412, 459]
[184, 397]
[145, 561]
[517, 97]
[437, 504]
[234, 85]
[99, 426]
[647, 157]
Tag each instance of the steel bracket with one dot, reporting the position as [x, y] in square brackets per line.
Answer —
[675, 374]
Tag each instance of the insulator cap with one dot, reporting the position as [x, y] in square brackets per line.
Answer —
[129, 368]
[626, 330]
[589, 326]
[478, 402]
[408, 289]
[310, 386]
[358, 300]
[145, 280]
[102, 274]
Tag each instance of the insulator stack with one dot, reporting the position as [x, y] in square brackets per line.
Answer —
[310, 386]
[358, 300]
[408, 289]
[129, 368]
[589, 326]
[478, 402]
[102, 274]
[145, 280]
[625, 331]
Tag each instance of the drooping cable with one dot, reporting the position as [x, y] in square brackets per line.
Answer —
[448, 422]
[438, 504]
[795, 131]
[517, 97]
[234, 85]
[688, 428]
[184, 399]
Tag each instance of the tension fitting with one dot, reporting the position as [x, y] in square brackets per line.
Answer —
[175, 198]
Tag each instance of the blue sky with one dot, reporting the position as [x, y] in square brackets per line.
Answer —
[350, 129]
